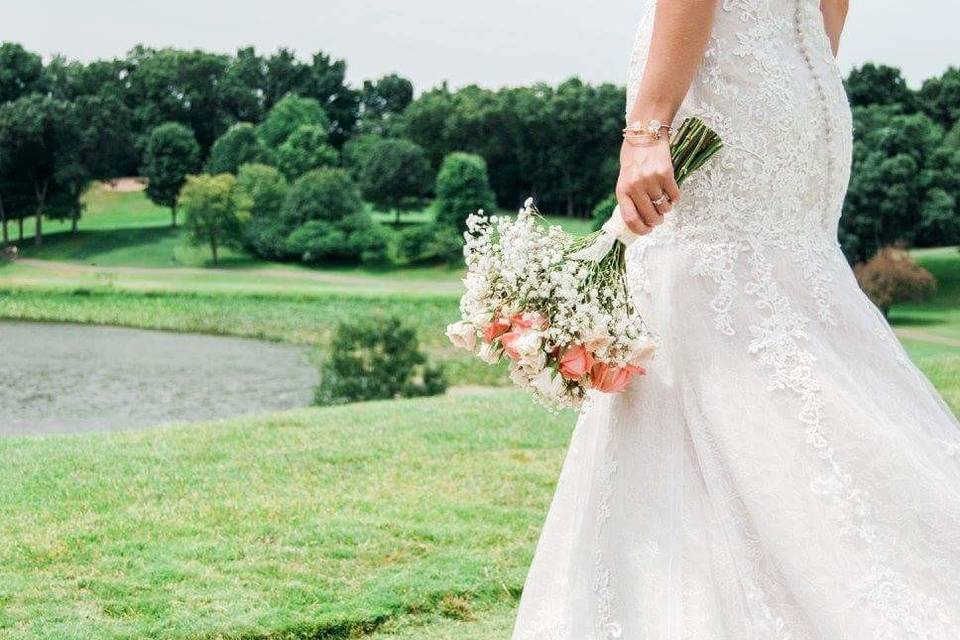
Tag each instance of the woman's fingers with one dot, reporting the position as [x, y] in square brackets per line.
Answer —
[644, 205]
[628, 211]
[671, 189]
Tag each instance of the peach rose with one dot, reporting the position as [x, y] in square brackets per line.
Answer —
[509, 342]
[575, 362]
[495, 329]
[610, 379]
[528, 320]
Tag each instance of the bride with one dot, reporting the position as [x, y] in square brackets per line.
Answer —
[783, 472]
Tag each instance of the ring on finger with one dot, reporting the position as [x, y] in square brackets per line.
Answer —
[661, 200]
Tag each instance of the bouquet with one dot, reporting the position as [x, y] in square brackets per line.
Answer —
[555, 305]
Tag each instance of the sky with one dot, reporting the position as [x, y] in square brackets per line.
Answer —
[490, 42]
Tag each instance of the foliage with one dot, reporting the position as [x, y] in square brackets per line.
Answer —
[396, 175]
[355, 238]
[603, 211]
[430, 244]
[216, 211]
[940, 97]
[305, 149]
[21, 72]
[382, 102]
[356, 153]
[376, 359]
[266, 188]
[896, 168]
[324, 219]
[321, 194]
[42, 165]
[879, 84]
[240, 145]
[891, 277]
[288, 115]
[171, 153]
[462, 188]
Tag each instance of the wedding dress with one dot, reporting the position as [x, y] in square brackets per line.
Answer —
[783, 472]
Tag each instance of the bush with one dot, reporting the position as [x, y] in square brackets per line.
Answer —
[357, 151]
[288, 115]
[891, 277]
[238, 146]
[462, 188]
[603, 211]
[305, 149]
[265, 233]
[431, 243]
[356, 238]
[376, 359]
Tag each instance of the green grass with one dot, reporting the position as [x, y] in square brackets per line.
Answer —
[312, 524]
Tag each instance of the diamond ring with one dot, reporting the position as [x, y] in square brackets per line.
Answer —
[659, 201]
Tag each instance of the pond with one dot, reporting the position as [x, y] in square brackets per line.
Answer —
[72, 378]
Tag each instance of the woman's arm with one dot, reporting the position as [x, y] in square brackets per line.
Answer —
[834, 16]
[681, 29]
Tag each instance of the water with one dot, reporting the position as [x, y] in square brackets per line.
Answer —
[75, 378]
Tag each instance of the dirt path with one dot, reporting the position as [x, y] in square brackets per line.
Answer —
[278, 276]
[924, 336]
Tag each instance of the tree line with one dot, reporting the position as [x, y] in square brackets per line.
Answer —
[308, 150]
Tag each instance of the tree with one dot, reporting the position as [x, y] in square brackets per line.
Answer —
[396, 176]
[305, 149]
[21, 72]
[940, 98]
[892, 277]
[382, 102]
[238, 146]
[322, 194]
[357, 152]
[215, 211]
[266, 189]
[42, 147]
[462, 188]
[287, 116]
[892, 175]
[326, 221]
[879, 84]
[109, 147]
[171, 85]
[171, 154]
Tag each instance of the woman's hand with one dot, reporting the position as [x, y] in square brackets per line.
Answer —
[646, 188]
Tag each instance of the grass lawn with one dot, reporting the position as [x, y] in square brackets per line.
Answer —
[321, 523]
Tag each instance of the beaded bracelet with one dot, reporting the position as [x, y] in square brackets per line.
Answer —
[652, 128]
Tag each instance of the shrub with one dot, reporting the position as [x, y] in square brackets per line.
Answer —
[356, 238]
[462, 188]
[265, 233]
[321, 194]
[288, 115]
[216, 211]
[357, 151]
[305, 149]
[603, 211]
[238, 146]
[891, 277]
[376, 359]
[395, 175]
[431, 243]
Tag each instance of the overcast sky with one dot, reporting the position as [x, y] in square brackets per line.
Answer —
[489, 42]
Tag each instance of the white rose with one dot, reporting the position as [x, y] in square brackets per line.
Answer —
[489, 354]
[549, 383]
[463, 335]
[528, 345]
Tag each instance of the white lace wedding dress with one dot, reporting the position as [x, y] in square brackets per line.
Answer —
[783, 472]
